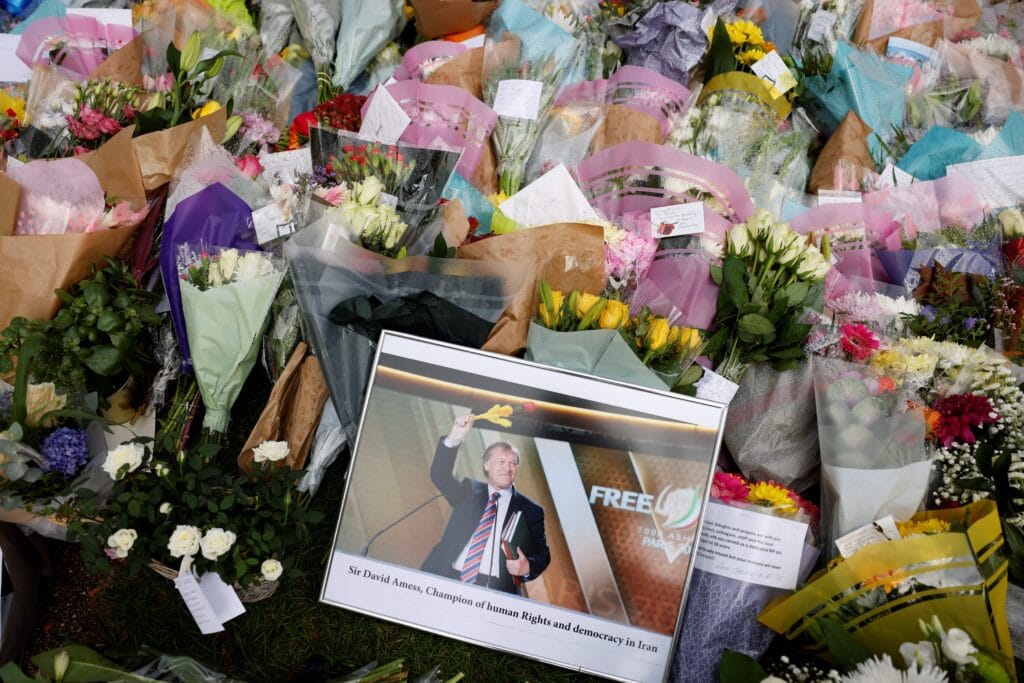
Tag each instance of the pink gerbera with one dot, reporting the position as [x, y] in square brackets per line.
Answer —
[729, 487]
[959, 414]
[857, 340]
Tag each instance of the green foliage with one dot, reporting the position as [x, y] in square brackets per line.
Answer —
[720, 55]
[736, 667]
[95, 342]
[205, 490]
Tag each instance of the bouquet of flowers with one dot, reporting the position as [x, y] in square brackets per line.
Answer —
[604, 340]
[769, 277]
[376, 225]
[186, 509]
[526, 53]
[721, 611]
[342, 112]
[225, 297]
[942, 564]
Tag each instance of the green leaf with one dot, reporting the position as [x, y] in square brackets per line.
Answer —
[104, 360]
[134, 509]
[109, 321]
[87, 666]
[227, 502]
[10, 673]
[797, 292]
[756, 325]
[796, 352]
[95, 294]
[716, 274]
[734, 274]
[1014, 539]
[785, 364]
[975, 484]
[846, 651]
[791, 332]
[736, 667]
[720, 57]
[173, 58]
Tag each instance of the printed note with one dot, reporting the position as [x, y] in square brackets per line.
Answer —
[518, 99]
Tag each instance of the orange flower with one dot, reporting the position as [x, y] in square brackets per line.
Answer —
[886, 385]
[932, 418]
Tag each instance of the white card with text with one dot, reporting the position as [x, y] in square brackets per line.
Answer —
[678, 219]
[198, 604]
[385, 120]
[286, 167]
[751, 547]
[1000, 182]
[518, 99]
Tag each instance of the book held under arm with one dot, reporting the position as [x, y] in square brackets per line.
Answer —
[514, 535]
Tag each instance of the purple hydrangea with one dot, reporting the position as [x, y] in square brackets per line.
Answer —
[65, 450]
[970, 322]
[928, 312]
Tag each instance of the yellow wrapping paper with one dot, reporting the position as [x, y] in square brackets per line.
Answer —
[979, 609]
[750, 84]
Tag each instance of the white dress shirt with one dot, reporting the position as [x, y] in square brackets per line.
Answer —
[492, 551]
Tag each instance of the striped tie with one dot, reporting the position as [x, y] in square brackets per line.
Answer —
[475, 553]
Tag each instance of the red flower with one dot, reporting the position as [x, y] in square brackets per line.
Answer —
[529, 406]
[729, 487]
[302, 123]
[857, 340]
[960, 414]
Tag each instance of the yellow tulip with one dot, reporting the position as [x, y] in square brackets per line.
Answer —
[206, 109]
[584, 302]
[551, 318]
[657, 334]
[613, 315]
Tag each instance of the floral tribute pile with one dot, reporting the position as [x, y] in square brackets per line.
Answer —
[807, 209]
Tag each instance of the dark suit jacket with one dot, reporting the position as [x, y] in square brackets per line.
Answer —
[468, 498]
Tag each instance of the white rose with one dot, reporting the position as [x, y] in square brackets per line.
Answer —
[165, 508]
[227, 263]
[130, 454]
[122, 541]
[184, 541]
[161, 469]
[957, 646]
[791, 252]
[739, 241]
[216, 542]
[778, 237]
[270, 451]
[252, 266]
[919, 655]
[813, 266]
[271, 570]
[1012, 221]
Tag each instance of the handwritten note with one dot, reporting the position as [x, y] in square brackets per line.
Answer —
[12, 69]
[774, 71]
[198, 604]
[714, 387]
[1000, 182]
[518, 99]
[270, 223]
[286, 167]
[883, 529]
[821, 26]
[751, 547]
[678, 219]
[222, 597]
[385, 120]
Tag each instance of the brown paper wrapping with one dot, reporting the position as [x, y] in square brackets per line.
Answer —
[567, 255]
[117, 167]
[454, 224]
[485, 177]
[124, 66]
[10, 195]
[161, 152]
[849, 143]
[436, 18]
[463, 71]
[35, 265]
[623, 124]
[965, 15]
[292, 411]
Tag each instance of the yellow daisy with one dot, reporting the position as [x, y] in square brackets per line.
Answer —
[742, 32]
[924, 527]
[748, 57]
[770, 495]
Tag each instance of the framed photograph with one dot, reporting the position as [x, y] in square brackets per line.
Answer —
[525, 508]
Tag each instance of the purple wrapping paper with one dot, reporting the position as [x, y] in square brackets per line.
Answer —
[722, 613]
[214, 216]
[669, 38]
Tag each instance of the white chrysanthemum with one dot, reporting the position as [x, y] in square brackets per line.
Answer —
[882, 670]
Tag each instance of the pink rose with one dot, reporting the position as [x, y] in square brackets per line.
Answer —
[108, 126]
[249, 165]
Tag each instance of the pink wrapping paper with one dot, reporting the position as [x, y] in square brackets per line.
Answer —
[619, 182]
[425, 58]
[679, 286]
[844, 224]
[635, 87]
[87, 43]
[445, 113]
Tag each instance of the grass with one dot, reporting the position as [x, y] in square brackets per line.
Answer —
[278, 636]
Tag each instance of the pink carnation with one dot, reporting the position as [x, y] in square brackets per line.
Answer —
[858, 341]
[729, 487]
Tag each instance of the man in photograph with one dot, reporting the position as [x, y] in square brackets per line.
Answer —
[470, 548]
